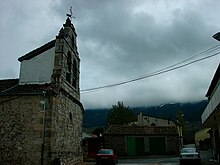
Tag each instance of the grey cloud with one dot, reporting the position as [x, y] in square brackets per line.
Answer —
[119, 40]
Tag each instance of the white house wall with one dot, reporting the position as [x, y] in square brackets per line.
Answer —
[37, 70]
[148, 121]
[212, 105]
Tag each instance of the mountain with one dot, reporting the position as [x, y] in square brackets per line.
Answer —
[95, 118]
[192, 113]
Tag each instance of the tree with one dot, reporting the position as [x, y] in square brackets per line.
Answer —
[120, 115]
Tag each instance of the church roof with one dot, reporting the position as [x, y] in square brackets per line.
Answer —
[37, 51]
[7, 84]
[11, 87]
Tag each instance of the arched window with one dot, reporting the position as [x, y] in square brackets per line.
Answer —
[70, 116]
[68, 71]
[72, 41]
[74, 73]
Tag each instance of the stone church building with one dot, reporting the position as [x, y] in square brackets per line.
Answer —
[40, 112]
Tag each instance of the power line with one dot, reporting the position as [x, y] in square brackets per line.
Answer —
[158, 72]
[188, 59]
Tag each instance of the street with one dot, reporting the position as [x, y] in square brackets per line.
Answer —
[146, 161]
[160, 160]
[150, 161]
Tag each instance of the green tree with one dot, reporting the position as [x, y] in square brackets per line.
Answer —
[120, 115]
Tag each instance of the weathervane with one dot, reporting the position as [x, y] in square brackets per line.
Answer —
[71, 14]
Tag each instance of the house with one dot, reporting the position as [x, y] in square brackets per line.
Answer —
[211, 115]
[142, 140]
[203, 139]
[154, 121]
[40, 112]
[148, 120]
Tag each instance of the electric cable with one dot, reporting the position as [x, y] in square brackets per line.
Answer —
[158, 72]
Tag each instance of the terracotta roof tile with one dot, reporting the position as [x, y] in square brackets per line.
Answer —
[23, 89]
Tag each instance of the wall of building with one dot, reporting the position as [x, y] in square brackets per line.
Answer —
[59, 72]
[216, 142]
[150, 121]
[119, 144]
[37, 70]
[66, 130]
[172, 145]
[22, 124]
[21, 129]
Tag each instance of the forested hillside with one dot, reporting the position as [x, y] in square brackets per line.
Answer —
[192, 112]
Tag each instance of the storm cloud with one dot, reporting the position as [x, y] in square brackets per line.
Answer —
[120, 40]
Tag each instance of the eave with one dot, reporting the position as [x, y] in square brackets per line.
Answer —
[214, 82]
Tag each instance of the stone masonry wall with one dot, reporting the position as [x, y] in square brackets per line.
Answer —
[117, 143]
[21, 129]
[172, 146]
[66, 130]
[21, 121]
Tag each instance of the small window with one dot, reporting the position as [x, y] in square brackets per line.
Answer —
[70, 116]
[68, 77]
[72, 41]
[68, 74]
[74, 80]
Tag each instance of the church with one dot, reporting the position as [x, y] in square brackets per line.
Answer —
[40, 112]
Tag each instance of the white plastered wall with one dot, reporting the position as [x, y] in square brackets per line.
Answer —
[37, 70]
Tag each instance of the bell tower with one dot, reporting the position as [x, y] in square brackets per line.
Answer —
[67, 112]
[67, 61]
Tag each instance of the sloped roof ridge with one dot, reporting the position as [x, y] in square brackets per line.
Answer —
[37, 51]
[9, 79]
[6, 84]
[123, 129]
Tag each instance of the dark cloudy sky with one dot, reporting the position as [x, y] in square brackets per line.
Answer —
[120, 40]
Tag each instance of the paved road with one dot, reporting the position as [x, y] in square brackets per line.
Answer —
[205, 155]
[150, 161]
[147, 161]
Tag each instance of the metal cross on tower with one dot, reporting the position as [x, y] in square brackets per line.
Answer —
[71, 13]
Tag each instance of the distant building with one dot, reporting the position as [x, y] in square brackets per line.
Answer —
[150, 135]
[142, 140]
[211, 115]
[41, 113]
[146, 120]
[191, 127]
[203, 139]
